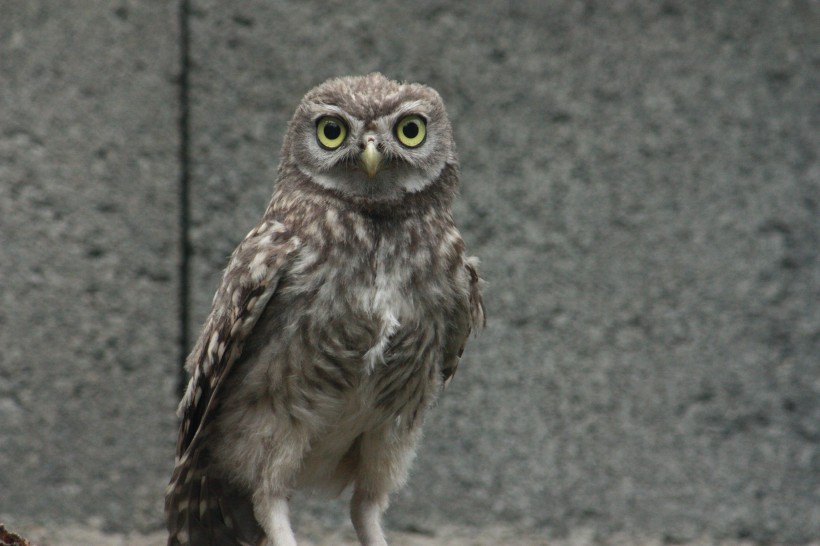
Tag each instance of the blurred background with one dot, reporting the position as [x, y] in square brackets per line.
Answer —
[639, 178]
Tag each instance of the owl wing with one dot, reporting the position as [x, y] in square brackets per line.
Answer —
[201, 509]
[469, 314]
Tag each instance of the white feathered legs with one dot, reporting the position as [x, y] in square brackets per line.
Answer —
[382, 459]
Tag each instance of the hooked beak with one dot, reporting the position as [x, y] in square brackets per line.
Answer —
[370, 159]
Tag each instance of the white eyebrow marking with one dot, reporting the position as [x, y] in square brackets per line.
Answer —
[412, 106]
[323, 110]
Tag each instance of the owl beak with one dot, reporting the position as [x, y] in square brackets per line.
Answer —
[370, 159]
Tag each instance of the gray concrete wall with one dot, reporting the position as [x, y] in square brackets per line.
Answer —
[639, 178]
[88, 259]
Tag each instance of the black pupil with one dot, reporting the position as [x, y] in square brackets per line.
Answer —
[410, 129]
[332, 130]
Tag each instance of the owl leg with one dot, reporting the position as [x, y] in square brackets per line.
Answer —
[385, 456]
[273, 485]
[365, 513]
[274, 516]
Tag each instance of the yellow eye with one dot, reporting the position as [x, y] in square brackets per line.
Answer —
[330, 132]
[411, 130]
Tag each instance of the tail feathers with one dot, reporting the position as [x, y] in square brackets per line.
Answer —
[203, 510]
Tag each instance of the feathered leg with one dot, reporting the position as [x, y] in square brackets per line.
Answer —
[365, 513]
[385, 457]
[273, 514]
[270, 500]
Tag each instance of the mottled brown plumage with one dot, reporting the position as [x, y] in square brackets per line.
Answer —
[338, 320]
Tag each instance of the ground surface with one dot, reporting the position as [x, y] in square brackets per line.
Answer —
[451, 536]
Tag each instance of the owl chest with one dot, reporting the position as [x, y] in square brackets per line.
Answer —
[375, 311]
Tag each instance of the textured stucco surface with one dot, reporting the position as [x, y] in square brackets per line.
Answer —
[640, 180]
[88, 259]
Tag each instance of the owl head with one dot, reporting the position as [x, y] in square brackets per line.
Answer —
[370, 137]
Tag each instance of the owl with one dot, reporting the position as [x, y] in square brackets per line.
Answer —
[339, 319]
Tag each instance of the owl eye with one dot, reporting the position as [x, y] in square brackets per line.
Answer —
[330, 132]
[411, 130]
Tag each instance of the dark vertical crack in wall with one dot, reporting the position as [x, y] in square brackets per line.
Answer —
[184, 183]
